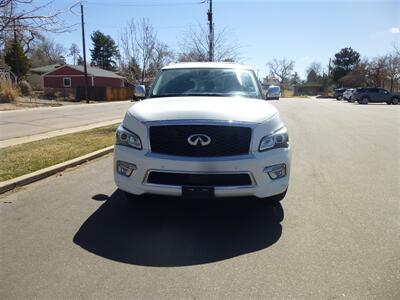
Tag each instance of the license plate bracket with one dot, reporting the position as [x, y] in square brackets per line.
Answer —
[198, 192]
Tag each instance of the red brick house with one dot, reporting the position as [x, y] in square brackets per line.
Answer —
[70, 77]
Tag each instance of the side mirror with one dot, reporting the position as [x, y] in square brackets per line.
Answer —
[140, 91]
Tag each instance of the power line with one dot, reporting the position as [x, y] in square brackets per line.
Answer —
[156, 27]
[144, 4]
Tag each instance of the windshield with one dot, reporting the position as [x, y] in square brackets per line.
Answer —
[274, 89]
[206, 82]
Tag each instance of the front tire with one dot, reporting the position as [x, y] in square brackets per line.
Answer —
[395, 101]
[364, 100]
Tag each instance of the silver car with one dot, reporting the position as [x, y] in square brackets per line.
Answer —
[273, 92]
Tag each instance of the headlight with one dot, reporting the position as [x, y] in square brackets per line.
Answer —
[127, 138]
[278, 139]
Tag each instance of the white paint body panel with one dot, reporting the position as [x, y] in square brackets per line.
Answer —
[257, 114]
[203, 108]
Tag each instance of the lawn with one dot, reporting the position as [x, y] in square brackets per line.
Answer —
[29, 157]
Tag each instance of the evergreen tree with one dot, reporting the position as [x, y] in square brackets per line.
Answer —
[312, 77]
[295, 79]
[344, 62]
[104, 52]
[17, 60]
[79, 62]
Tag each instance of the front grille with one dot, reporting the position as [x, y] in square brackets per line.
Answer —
[225, 140]
[184, 179]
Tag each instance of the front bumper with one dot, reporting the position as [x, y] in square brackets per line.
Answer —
[253, 164]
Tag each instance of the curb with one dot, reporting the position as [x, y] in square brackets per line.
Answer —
[43, 173]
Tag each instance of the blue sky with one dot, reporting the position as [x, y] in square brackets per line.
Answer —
[304, 30]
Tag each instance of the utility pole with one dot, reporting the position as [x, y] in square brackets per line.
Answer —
[84, 54]
[15, 52]
[211, 33]
[329, 67]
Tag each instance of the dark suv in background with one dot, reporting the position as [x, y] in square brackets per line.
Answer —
[338, 93]
[366, 95]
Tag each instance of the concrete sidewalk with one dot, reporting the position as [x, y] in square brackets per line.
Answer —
[36, 123]
[40, 136]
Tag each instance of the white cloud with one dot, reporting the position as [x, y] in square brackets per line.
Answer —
[306, 58]
[394, 30]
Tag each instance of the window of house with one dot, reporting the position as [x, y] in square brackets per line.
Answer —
[67, 82]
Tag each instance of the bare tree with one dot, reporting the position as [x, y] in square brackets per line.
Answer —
[316, 67]
[142, 52]
[162, 56]
[46, 52]
[281, 68]
[377, 71]
[357, 77]
[74, 52]
[28, 20]
[393, 69]
[194, 46]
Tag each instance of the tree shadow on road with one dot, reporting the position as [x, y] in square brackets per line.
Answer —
[164, 231]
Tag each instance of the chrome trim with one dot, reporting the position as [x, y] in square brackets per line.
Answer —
[253, 181]
[200, 122]
[250, 125]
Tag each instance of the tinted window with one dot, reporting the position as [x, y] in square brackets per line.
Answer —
[274, 89]
[206, 82]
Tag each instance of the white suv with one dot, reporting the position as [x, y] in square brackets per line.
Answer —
[204, 131]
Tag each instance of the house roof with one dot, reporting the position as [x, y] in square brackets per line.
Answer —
[92, 71]
[97, 72]
[45, 69]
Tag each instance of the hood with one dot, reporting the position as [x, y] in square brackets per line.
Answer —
[203, 108]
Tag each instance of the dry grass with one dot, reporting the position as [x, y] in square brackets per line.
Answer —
[287, 94]
[29, 157]
[8, 93]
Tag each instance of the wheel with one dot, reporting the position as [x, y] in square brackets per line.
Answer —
[277, 98]
[364, 100]
[338, 98]
[395, 101]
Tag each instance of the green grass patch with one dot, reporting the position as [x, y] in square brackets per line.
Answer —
[26, 158]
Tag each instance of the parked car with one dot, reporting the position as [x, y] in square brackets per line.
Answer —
[203, 131]
[366, 95]
[348, 94]
[273, 92]
[338, 93]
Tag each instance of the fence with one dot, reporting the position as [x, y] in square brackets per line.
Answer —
[102, 93]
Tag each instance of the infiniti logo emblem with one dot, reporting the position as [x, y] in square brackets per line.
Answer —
[199, 139]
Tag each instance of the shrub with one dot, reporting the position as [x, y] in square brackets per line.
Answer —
[25, 88]
[8, 93]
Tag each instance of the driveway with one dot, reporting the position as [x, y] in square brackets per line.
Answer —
[28, 122]
[336, 234]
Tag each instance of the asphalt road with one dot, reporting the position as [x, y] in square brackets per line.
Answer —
[336, 235]
[19, 123]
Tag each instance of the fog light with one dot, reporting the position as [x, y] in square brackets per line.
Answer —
[125, 168]
[276, 171]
